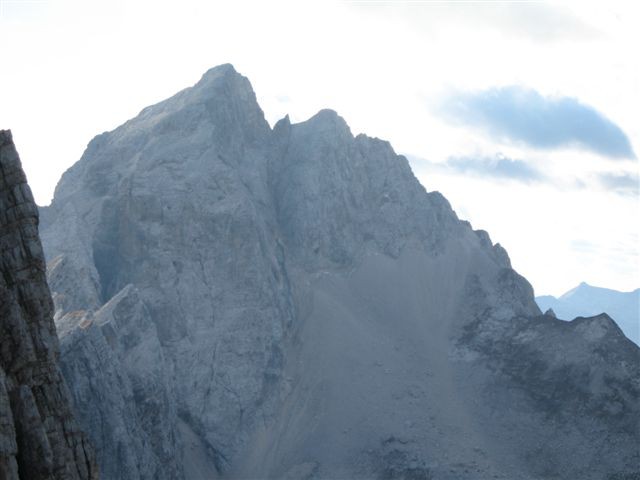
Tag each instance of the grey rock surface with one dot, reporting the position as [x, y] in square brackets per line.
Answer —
[237, 301]
[39, 436]
[114, 362]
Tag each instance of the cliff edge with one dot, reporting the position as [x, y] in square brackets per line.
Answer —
[39, 437]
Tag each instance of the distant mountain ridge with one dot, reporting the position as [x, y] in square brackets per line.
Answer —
[587, 300]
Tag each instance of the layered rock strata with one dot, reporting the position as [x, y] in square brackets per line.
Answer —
[39, 436]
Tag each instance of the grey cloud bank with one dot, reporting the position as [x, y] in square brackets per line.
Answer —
[500, 168]
[522, 115]
[621, 183]
[497, 167]
[491, 167]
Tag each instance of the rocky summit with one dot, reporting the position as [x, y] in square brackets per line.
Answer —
[39, 436]
[240, 301]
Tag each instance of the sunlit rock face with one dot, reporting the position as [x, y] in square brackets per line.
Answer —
[238, 301]
[39, 436]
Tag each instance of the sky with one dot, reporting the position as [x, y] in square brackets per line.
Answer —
[525, 115]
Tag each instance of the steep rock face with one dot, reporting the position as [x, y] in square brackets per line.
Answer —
[39, 437]
[201, 253]
[136, 420]
[291, 303]
[338, 197]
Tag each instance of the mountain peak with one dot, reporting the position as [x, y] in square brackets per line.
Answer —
[327, 115]
[222, 74]
[224, 79]
[225, 68]
[581, 287]
[326, 122]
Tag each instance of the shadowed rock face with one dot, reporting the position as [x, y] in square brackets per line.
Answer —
[238, 301]
[39, 437]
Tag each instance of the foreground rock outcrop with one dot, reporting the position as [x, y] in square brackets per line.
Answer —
[39, 437]
[239, 301]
